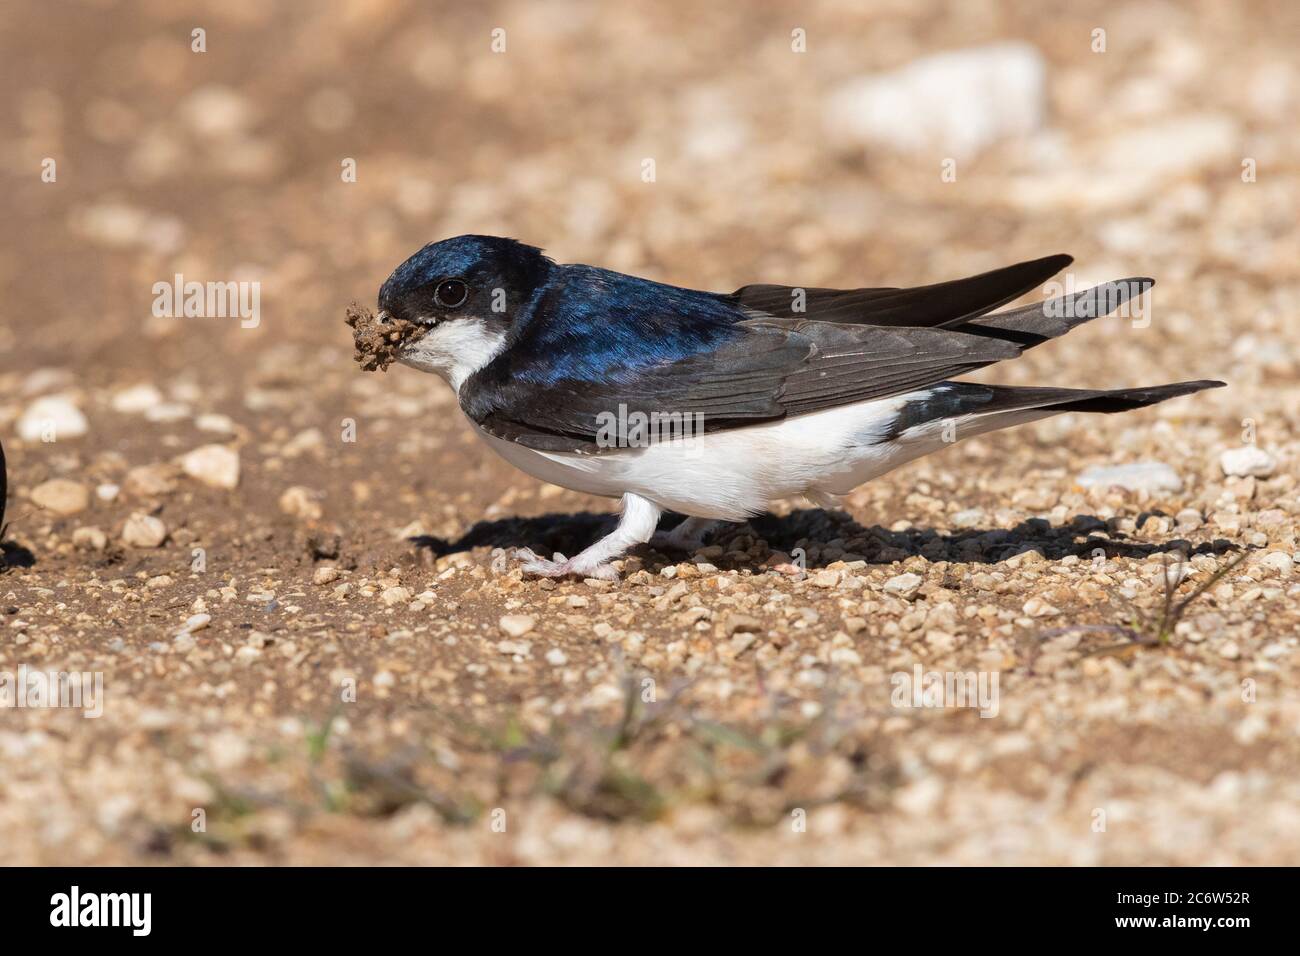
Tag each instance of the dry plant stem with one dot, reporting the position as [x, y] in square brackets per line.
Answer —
[1147, 631]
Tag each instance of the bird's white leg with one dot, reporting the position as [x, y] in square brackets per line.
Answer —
[637, 524]
[687, 536]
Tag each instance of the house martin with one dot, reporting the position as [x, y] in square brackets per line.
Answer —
[715, 405]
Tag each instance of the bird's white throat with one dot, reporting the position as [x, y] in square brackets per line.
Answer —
[455, 349]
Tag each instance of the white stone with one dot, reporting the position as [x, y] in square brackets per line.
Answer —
[517, 625]
[840, 655]
[168, 412]
[214, 465]
[970, 518]
[1250, 729]
[216, 111]
[948, 105]
[53, 417]
[905, 586]
[211, 422]
[137, 399]
[89, 539]
[325, 575]
[151, 481]
[395, 595]
[144, 531]
[920, 798]
[1037, 607]
[1279, 561]
[227, 749]
[196, 622]
[301, 503]
[1139, 476]
[308, 440]
[61, 496]
[1248, 460]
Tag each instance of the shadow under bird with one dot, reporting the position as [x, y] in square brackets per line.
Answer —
[716, 405]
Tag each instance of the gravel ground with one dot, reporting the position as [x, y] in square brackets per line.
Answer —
[295, 576]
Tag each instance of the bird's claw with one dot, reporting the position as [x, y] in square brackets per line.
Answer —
[560, 566]
[534, 564]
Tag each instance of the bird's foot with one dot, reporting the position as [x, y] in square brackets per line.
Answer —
[669, 541]
[561, 566]
[688, 536]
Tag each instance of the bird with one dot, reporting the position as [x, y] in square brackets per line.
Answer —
[716, 405]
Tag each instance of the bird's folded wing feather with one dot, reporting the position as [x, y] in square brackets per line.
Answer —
[769, 369]
[943, 305]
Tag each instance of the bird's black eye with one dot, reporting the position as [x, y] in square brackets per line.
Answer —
[451, 293]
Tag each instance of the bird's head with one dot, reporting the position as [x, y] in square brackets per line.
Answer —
[468, 291]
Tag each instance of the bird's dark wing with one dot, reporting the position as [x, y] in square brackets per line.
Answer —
[769, 368]
[944, 305]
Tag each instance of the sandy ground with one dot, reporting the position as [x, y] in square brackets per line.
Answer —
[313, 644]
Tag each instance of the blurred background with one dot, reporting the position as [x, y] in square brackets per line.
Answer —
[824, 166]
[310, 147]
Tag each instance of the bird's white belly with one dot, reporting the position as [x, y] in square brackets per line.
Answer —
[734, 474]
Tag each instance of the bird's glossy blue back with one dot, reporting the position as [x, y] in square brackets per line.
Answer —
[594, 324]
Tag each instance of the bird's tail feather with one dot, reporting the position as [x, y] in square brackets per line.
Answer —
[1037, 322]
[953, 411]
[1006, 398]
[998, 406]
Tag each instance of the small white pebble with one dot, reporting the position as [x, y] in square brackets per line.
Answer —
[215, 465]
[1248, 460]
[1279, 561]
[904, 585]
[826, 579]
[61, 496]
[51, 418]
[1138, 476]
[517, 625]
[136, 399]
[325, 575]
[1037, 607]
[89, 539]
[395, 595]
[144, 531]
